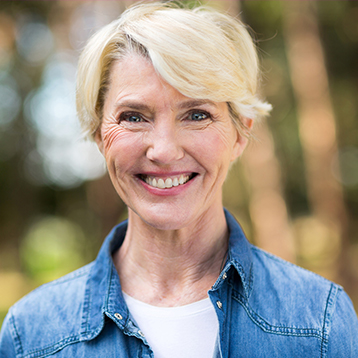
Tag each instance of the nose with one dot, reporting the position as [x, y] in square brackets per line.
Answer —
[164, 145]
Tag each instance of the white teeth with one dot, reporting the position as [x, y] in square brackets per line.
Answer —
[161, 184]
[168, 183]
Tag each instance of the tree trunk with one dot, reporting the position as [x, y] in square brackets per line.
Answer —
[317, 127]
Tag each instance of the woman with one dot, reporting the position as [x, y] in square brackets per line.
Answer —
[170, 96]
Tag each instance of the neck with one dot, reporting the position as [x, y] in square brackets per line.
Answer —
[172, 267]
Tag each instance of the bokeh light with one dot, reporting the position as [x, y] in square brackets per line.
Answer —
[52, 247]
[67, 158]
[35, 42]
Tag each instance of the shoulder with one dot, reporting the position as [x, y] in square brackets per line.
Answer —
[296, 300]
[298, 290]
[52, 310]
[273, 272]
[54, 295]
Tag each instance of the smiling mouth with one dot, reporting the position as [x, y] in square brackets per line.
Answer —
[167, 182]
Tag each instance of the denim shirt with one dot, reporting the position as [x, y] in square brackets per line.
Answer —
[266, 307]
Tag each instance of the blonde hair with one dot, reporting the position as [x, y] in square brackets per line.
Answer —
[200, 52]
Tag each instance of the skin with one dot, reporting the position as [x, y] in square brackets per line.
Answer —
[177, 238]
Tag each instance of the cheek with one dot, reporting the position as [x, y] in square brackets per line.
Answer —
[120, 145]
[214, 146]
[114, 136]
[111, 135]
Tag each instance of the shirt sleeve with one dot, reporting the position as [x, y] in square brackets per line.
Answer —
[343, 337]
[7, 347]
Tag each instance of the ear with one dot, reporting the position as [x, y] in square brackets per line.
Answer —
[242, 138]
[98, 140]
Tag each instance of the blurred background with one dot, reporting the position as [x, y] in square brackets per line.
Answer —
[295, 189]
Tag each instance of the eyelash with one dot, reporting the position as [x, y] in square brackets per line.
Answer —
[125, 116]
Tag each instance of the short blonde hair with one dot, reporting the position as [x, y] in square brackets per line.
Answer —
[200, 52]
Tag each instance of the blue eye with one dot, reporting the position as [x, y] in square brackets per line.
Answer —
[198, 116]
[131, 117]
[134, 119]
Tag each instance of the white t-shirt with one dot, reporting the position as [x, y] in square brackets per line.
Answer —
[188, 331]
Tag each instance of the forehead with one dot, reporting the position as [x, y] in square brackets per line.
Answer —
[134, 79]
[136, 74]
[134, 83]
[130, 68]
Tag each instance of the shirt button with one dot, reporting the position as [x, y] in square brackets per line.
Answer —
[219, 304]
[224, 276]
[141, 333]
[118, 316]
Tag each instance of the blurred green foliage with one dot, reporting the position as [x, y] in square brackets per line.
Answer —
[52, 246]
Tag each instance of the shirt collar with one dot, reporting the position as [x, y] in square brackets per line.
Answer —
[240, 255]
[103, 295]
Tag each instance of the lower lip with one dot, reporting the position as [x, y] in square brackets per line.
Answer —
[174, 190]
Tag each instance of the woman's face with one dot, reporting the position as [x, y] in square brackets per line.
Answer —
[167, 154]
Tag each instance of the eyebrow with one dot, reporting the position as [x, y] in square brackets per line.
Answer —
[134, 105]
[195, 103]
